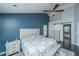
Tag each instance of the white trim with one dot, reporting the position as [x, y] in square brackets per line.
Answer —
[2, 53]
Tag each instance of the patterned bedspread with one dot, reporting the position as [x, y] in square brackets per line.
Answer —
[37, 45]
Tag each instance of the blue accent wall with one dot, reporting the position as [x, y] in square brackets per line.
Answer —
[10, 24]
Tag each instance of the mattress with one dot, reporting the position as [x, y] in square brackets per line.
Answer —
[37, 45]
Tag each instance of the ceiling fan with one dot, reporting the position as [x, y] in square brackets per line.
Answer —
[54, 9]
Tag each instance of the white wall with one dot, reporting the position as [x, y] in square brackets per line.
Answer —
[76, 14]
[57, 17]
[66, 17]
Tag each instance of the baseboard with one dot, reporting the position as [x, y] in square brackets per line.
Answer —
[2, 53]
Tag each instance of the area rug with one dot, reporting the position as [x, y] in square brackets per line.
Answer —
[64, 52]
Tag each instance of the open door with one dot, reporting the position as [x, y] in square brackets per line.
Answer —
[67, 36]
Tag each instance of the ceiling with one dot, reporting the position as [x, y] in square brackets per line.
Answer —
[30, 7]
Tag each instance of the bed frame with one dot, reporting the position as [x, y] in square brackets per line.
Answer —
[29, 31]
[36, 31]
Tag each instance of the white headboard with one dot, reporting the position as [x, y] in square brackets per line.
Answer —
[29, 31]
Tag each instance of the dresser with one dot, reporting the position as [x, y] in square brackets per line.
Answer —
[12, 47]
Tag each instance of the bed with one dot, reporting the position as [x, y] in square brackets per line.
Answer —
[33, 44]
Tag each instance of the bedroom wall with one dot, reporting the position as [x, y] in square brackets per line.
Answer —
[76, 12]
[11, 23]
[66, 16]
[57, 17]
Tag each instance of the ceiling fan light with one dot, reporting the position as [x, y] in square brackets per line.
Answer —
[14, 5]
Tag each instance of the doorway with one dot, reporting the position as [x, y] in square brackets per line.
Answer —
[67, 36]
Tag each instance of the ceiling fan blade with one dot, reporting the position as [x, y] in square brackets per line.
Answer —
[56, 6]
[58, 10]
[46, 10]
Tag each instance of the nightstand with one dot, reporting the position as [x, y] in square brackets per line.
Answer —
[12, 47]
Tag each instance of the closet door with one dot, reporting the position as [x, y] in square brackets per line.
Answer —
[56, 31]
[59, 31]
[51, 30]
